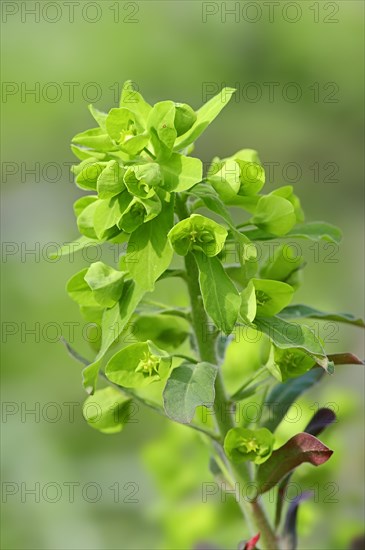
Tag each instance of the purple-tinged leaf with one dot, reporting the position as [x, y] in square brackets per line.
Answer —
[301, 448]
[289, 537]
[320, 420]
[345, 359]
[323, 418]
[284, 394]
[358, 543]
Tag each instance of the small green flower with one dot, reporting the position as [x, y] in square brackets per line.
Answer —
[198, 233]
[242, 444]
[138, 365]
[141, 180]
[149, 364]
[292, 362]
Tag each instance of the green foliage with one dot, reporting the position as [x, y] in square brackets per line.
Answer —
[146, 190]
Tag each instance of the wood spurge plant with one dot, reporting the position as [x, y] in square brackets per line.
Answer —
[152, 199]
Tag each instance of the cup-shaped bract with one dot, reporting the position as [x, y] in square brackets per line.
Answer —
[242, 444]
[198, 233]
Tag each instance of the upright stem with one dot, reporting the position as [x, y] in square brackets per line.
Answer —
[206, 343]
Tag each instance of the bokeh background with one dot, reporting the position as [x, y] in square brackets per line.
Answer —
[298, 69]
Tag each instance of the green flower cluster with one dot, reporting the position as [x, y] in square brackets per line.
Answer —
[132, 163]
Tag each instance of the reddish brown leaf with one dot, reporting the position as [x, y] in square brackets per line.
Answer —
[345, 359]
[301, 448]
[251, 544]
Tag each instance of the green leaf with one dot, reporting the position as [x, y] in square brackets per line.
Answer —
[107, 213]
[185, 117]
[98, 116]
[105, 282]
[96, 138]
[274, 215]
[241, 444]
[82, 154]
[241, 174]
[138, 365]
[316, 231]
[226, 179]
[248, 303]
[110, 182]
[220, 296]
[289, 335]
[198, 233]
[113, 324]
[301, 448]
[188, 387]
[149, 252]
[131, 99]
[107, 410]
[299, 311]
[85, 220]
[284, 265]
[281, 397]
[180, 173]
[73, 247]
[271, 296]
[287, 192]
[87, 173]
[205, 115]
[252, 177]
[78, 289]
[211, 200]
[161, 127]
[167, 331]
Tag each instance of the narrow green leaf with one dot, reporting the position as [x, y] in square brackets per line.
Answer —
[299, 311]
[113, 324]
[149, 252]
[316, 231]
[189, 386]
[205, 115]
[180, 173]
[73, 247]
[96, 138]
[98, 116]
[220, 296]
[131, 99]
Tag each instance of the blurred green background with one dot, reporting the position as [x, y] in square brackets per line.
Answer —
[299, 76]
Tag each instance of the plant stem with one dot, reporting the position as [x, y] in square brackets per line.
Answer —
[206, 341]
